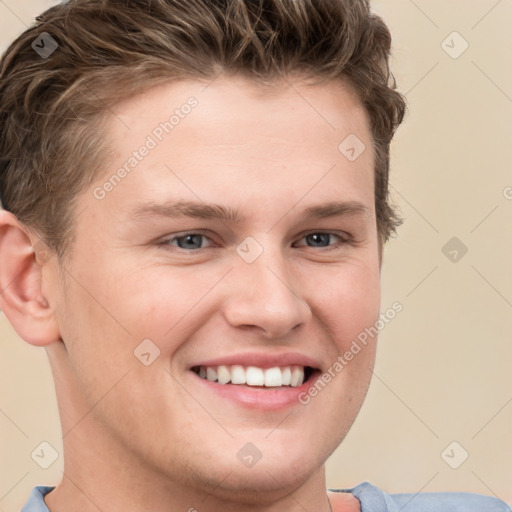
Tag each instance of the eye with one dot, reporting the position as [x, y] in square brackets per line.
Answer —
[322, 239]
[193, 241]
[187, 241]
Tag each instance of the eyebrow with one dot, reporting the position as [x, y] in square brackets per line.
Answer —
[200, 210]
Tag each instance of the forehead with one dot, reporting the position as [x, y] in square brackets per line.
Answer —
[194, 139]
[331, 105]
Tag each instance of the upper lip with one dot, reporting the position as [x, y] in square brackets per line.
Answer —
[261, 360]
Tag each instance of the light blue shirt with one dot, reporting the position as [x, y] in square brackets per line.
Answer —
[371, 498]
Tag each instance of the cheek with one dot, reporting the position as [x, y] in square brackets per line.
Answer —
[166, 303]
[97, 334]
[348, 302]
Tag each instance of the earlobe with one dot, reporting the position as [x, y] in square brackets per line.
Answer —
[21, 294]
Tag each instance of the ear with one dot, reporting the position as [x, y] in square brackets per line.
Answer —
[21, 294]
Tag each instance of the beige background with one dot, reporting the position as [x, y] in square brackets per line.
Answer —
[444, 364]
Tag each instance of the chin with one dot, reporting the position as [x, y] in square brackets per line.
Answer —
[253, 486]
[274, 476]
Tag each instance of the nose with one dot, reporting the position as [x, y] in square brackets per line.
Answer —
[265, 297]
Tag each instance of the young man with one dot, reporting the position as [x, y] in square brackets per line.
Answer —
[195, 208]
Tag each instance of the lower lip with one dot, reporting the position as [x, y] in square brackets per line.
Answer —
[259, 398]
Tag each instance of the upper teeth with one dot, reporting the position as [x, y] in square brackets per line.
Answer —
[254, 376]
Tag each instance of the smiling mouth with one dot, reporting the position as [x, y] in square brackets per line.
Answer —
[253, 376]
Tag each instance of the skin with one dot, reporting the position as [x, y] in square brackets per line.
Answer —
[150, 437]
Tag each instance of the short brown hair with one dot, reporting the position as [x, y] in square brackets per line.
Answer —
[51, 109]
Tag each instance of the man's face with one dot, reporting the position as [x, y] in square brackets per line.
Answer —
[275, 288]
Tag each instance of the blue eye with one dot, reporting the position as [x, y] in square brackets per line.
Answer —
[188, 241]
[192, 241]
[321, 239]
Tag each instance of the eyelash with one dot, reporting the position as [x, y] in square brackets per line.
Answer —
[345, 239]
